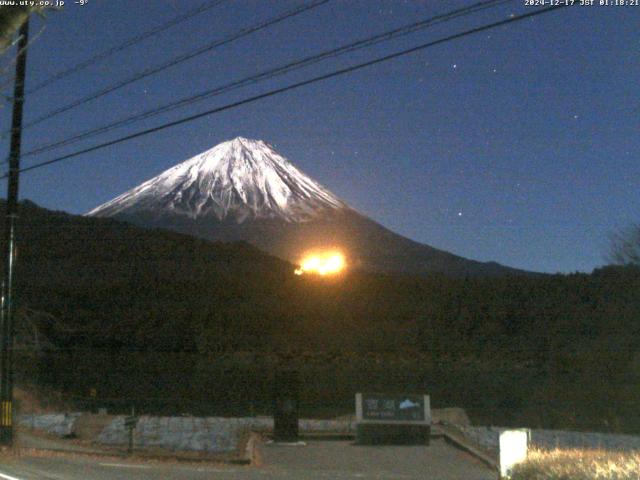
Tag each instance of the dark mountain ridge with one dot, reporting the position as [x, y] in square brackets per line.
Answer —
[137, 313]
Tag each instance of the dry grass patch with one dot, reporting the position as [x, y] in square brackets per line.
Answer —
[578, 465]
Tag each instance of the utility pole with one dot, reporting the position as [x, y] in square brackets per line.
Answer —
[6, 302]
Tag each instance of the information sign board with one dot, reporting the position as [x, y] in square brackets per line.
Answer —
[393, 408]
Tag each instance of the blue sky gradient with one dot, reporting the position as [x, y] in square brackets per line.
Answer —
[518, 145]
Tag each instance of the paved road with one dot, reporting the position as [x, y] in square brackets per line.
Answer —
[86, 468]
[314, 461]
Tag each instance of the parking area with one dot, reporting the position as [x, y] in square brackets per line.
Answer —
[305, 460]
[345, 460]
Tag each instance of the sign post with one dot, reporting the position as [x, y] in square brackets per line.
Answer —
[393, 418]
[514, 445]
[93, 395]
[130, 423]
[286, 406]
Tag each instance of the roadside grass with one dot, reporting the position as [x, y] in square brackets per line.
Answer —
[578, 465]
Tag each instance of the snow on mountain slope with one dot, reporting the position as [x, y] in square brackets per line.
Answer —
[243, 190]
[237, 180]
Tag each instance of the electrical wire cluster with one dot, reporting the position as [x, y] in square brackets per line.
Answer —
[261, 76]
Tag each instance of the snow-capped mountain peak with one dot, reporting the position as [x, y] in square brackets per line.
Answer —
[234, 181]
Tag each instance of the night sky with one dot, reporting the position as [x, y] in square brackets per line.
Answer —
[518, 145]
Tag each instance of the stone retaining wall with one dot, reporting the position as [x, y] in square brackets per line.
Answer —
[60, 424]
[210, 434]
[177, 433]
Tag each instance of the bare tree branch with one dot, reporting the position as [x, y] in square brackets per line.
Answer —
[625, 246]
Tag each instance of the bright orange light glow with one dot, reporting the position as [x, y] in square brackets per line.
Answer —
[326, 263]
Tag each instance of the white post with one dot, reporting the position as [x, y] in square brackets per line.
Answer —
[513, 449]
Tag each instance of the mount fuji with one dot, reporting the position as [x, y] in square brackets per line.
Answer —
[243, 190]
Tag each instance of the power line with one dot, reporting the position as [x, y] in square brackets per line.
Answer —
[271, 73]
[294, 86]
[4, 69]
[124, 45]
[182, 58]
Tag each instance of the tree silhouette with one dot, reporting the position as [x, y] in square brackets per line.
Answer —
[625, 246]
